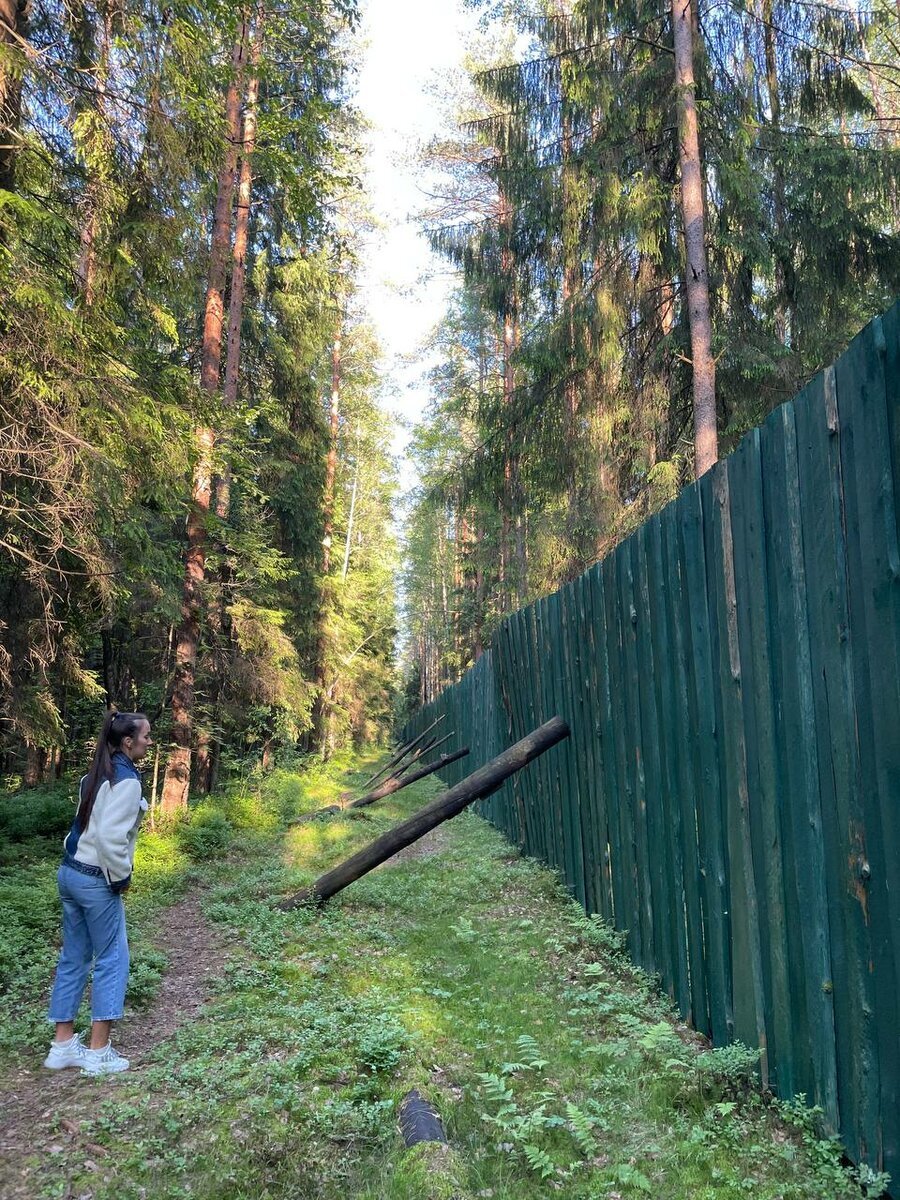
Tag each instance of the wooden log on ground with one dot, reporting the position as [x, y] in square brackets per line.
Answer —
[396, 784]
[480, 783]
[313, 816]
[401, 754]
[419, 1121]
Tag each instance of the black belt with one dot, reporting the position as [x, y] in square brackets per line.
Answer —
[84, 868]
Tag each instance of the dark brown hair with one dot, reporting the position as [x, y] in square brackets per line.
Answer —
[116, 727]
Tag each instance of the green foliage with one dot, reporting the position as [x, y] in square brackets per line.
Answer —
[561, 413]
[38, 813]
[205, 834]
[103, 272]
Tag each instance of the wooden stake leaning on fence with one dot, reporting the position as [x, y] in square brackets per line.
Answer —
[474, 787]
[402, 752]
[396, 784]
[431, 744]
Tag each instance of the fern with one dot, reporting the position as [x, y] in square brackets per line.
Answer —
[630, 1177]
[582, 1127]
[539, 1161]
[528, 1048]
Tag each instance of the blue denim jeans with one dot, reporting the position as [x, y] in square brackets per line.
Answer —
[93, 932]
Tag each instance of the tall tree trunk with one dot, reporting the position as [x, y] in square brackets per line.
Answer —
[706, 442]
[13, 30]
[178, 767]
[94, 198]
[239, 256]
[321, 715]
[208, 746]
[347, 541]
[782, 330]
[334, 417]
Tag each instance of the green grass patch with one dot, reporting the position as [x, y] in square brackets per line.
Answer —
[557, 1068]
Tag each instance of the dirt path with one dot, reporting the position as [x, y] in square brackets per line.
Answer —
[42, 1110]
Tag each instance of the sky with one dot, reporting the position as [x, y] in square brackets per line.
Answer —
[407, 45]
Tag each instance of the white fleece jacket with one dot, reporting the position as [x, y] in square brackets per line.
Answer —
[108, 841]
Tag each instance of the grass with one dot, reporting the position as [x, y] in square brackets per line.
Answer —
[556, 1067]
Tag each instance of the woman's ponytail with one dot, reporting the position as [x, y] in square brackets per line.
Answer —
[116, 726]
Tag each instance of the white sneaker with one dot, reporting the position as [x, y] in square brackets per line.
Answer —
[103, 1062]
[65, 1054]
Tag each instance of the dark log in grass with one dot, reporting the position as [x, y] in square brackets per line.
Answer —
[403, 751]
[313, 816]
[397, 784]
[480, 783]
[419, 1121]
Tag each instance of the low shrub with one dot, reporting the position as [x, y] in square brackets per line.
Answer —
[38, 812]
[206, 833]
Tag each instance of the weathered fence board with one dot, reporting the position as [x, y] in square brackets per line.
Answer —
[730, 795]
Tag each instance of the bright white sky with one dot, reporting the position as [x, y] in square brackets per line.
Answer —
[406, 45]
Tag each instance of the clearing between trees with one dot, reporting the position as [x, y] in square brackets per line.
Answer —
[271, 1049]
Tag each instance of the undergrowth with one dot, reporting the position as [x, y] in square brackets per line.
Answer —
[558, 1069]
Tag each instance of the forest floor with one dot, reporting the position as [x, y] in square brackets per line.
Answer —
[271, 1050]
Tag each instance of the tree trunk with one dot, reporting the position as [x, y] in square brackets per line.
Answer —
[331, 462]
[94, 198]
[706, 443]
[178, 767]
[239, 257]
[13, 30]
[347, 540]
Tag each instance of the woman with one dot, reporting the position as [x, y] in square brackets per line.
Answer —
[95, 871]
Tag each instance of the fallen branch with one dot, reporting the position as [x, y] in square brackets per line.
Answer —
[480, 783]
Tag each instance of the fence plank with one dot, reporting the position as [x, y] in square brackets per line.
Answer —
[843, 820]
[627, 914]
[556, 670]
[716, 931]
[867, 472]
[746, 955]
[668, 733]
[759, 709]
[654, 801]
[686, 791]
[635, 751]
[607, 747]
[573, 648]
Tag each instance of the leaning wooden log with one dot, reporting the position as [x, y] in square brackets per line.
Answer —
[480, 783]
[403, 751]
[396, 784]
[430, 745]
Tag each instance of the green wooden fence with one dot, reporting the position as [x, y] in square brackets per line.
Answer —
[730, 794]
